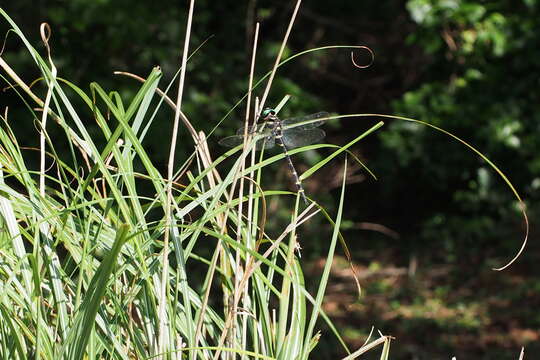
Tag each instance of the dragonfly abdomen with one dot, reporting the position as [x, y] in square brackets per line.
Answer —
[279, 142]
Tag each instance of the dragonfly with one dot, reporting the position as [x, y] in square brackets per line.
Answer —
[286, 134]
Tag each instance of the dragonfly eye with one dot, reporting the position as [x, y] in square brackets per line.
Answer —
[268, 112]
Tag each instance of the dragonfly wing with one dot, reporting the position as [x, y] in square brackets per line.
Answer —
[305, 118]
[295, 138]
[265, 143]
[232, 141]
[251, 129]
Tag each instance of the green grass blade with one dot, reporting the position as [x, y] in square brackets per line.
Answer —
[326, 272]
[80, 333]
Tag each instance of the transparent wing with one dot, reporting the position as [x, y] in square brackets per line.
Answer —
[265, 143]
[253, 129]
[295, 138]
[232, 141]
[300, 119]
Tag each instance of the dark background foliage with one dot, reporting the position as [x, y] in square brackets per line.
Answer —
[470, 67]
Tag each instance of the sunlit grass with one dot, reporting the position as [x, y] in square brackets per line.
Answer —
[95, 267]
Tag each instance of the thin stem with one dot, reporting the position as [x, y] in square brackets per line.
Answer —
[170, 170]
[278, 58]
[241, 191]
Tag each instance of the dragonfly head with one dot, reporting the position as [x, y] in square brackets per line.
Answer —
[268, 112]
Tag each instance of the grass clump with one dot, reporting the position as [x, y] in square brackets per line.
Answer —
[103, 256]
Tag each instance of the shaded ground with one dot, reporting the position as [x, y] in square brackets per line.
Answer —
[437, 312]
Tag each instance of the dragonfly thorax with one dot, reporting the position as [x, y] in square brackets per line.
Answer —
[271, 124]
